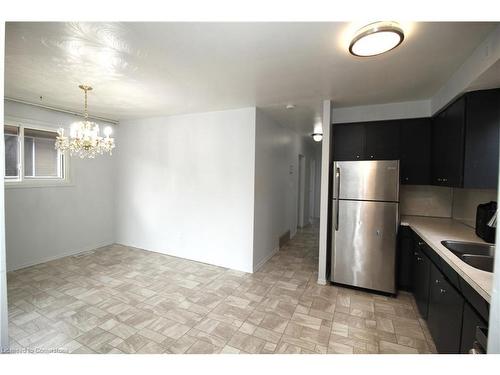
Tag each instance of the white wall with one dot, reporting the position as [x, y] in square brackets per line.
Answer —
[379, 112]
[185, 186]
[45, 223]
[277, 151]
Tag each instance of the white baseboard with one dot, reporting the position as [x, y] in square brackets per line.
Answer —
[58, 256]
[263, 261]
[321, 281]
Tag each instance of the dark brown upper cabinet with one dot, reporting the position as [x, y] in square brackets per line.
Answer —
[382, 140]
[465, 141]
[482, 139]
[448, 130]
[348, 142]
[408, 140]
[458, 147]
[377, 140]
[415, 151]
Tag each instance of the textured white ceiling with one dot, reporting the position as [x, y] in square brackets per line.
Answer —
[151, 69]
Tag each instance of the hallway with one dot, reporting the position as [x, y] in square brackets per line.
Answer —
[126, 300]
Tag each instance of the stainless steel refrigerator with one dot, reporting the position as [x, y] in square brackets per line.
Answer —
[365, 221]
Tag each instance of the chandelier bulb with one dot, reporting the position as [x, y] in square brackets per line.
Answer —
[108, 131]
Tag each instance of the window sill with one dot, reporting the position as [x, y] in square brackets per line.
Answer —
[26, 184]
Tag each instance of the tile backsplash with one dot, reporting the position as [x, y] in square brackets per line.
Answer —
[437, 201]
[423, 200]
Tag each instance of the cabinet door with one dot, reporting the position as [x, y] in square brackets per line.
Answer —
[382, 140]
[481, 139]
[445, 313]
[415, 151]
[448, 145]
[348, 142]
[405, 259]
[421, 274]
[471, 320]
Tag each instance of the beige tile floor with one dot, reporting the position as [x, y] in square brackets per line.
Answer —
[125, 300]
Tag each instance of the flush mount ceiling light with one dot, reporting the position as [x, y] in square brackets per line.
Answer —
[376, 38]
[317, 136]
[84, 139]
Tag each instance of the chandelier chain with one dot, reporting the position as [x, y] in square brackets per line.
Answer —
[86, 113]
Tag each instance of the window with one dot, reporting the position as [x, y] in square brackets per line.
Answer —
[41, 159]
[30, 156]
[11, 139]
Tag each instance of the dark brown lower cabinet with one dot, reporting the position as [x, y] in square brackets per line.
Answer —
[444, 317]
[471, 320]
[452, 308]
[405, 259]
[421, 274]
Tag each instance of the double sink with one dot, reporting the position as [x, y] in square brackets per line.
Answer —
[477, 255]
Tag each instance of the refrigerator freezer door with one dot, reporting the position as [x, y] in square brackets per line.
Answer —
[376, 180]
[365, 245]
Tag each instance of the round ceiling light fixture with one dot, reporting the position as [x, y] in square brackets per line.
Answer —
[317, 136]
[376, 38]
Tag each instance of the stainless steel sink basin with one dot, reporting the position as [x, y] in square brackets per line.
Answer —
[472, 248]
[477, 255]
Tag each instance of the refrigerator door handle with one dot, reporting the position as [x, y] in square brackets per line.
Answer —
[337, 175]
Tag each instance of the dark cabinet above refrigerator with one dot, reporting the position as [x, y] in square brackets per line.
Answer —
[349, 142]
[407, 140]
[378, 140]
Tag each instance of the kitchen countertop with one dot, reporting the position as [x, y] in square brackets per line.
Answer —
[434, 230]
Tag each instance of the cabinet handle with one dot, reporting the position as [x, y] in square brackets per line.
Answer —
[357, 156]
[419, 259]
[445, 180]
[443, 291]
[440, 179]
[371, 156]
[437, 282]
[420, 243]
[406, 178]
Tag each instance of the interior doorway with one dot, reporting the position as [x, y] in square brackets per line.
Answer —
[301, 191]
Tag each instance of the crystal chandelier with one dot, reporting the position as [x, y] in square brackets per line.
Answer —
[84, 139]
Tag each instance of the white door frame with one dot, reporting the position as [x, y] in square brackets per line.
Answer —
[301, 193]
[312, 189]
